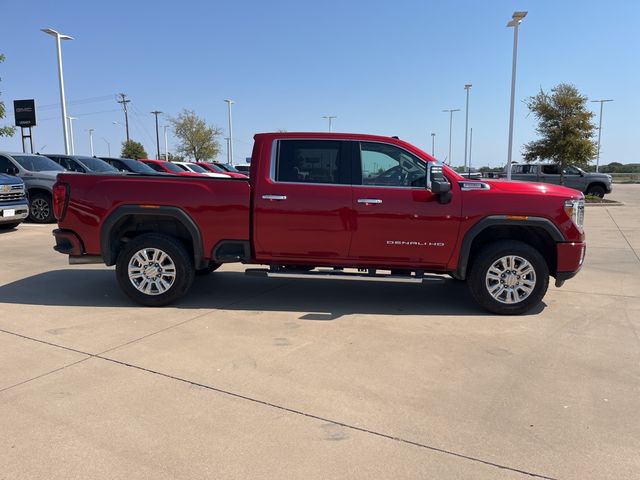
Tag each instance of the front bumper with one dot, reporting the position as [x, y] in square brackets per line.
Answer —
[13, 212]
[570, 260]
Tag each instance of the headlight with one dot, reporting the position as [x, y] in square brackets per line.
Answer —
[575, 211]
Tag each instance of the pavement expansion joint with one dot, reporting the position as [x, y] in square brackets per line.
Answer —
[275, 406]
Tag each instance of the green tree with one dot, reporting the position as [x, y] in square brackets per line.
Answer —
[197, 140]
[564, 126]
[174, 158]
[133, 149]
[5, 131]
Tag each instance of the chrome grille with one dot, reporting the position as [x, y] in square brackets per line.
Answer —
[11, 193]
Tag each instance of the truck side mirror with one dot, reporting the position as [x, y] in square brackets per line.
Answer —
[437, 183]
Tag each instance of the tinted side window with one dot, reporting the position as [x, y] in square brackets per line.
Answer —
[550, 170]
[387, 165]
[155, 166]
[312, 161]
[5, 164]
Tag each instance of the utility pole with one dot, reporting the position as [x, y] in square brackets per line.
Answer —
[467, 87]
[433, 145]
[470, 142]
[226, 139]
[230, 150]
[123, 101]
[330, 118]
[156, 113]
[450, 111]
[91, 130]
[600, 129]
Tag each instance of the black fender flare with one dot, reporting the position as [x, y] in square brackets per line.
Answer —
[120, 213]
[493, 220]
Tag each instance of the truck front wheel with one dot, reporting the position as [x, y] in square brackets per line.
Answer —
[154, 269]
[508, 277]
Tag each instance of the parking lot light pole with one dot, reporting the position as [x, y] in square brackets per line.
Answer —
[230, 149]
[156, 113]
[450, 128]
[600, 129]
[166, 143]
[71, 119]
[330, 118]
[516, 20]
[63, 105]
[433, 145]
[91, 130]
[467, 87]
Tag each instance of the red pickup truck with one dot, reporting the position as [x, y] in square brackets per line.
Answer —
[329, 206]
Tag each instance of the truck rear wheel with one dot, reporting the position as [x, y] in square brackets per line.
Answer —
[508, 277]
[154, 269]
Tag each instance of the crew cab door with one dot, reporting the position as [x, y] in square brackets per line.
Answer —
[397, 221]
[302, 209]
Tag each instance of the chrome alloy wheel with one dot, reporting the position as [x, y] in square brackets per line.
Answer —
[510, 279]
[151, 271]
[40, 209]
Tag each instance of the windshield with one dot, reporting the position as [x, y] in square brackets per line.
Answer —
[172, 168]
[137, 167]
[227, 167]
[96, 165]
[196, 168]
[36, 163]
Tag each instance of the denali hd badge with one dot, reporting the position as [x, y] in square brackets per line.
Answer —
[415, 243]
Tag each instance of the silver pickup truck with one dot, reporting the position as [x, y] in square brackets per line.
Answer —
[597, 184]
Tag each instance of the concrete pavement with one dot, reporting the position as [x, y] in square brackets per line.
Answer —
[256, 378]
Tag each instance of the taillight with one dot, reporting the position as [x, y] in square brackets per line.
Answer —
[60, 199]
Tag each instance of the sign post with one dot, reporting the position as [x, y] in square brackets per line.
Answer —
[25, 115]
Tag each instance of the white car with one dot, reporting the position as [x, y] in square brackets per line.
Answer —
[192, 167]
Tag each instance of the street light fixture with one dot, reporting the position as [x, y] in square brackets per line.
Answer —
[450, 128]
[230, 149]
[467, 87]
[600, 129]
[330, 118]
[63, 105]
[516, 19]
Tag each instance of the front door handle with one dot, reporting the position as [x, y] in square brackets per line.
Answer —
[277, 198]
[369, 201]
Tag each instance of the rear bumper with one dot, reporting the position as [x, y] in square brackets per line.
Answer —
[68, 242]
[570, 259]
[13, 212]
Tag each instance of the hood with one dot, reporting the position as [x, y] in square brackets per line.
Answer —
[9, 179]
[596, 175]
[514, 186]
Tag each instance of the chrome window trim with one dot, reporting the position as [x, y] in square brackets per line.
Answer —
[483, 186]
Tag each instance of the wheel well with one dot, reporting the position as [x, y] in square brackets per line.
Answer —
[537, 237]
[36, 190]
[131, 226]
[599, 184]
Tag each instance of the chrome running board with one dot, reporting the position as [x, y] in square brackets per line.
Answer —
[326, 274]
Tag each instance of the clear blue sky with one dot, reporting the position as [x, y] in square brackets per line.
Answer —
[382, 67]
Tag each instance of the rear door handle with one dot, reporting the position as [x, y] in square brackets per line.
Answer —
[369, 201]
[277, 198]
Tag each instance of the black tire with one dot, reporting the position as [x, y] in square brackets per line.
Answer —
[8, 226]
[41, 208]
[207, 270]
[597, 190]
[178, 255]
[478, 282]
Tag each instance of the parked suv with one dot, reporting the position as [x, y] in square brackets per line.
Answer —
[129, 165]
[14, 207]
[39, 174]
[588, 183]
[81, 164]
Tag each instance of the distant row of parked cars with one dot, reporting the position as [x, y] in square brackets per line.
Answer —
[26, 180]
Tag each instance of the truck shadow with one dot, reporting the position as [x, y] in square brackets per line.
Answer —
[321, 300]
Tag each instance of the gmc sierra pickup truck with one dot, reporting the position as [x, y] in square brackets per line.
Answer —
[326, 206]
